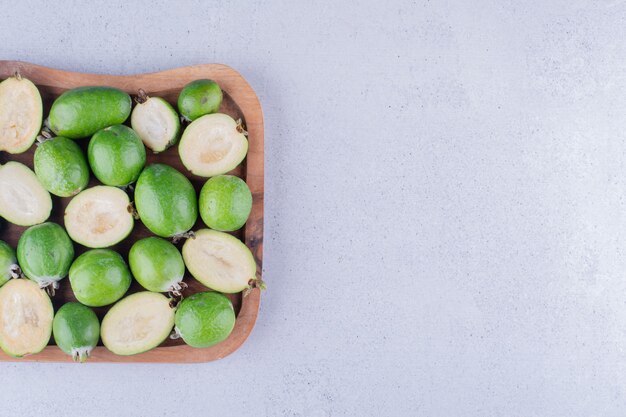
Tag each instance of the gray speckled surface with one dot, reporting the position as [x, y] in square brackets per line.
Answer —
[445, 206]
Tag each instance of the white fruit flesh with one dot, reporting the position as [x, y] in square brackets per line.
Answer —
[26, 315]
[21, 113]
[137, 323]
[23, 200]
[220, 261]
[99, 217]
[212, 145]
[156, 123]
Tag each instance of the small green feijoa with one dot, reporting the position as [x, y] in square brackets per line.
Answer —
[61, 166]
[225, 203]
[204, 319]
[76, 330]
[198, 98]
[116, 155]
[156, 264]
[99, 277]
[8, 263]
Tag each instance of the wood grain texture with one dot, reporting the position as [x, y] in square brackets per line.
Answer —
[240, 101]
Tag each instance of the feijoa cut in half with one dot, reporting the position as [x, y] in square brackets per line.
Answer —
[156, 122]
[156, 264]
[137, 323]
[23, 200]
[76, 330]
[212, 145]
[8, 263]
[61, 166]
[225, 203]
[21, 113]
[99, 217]
[166, 200]
[220, 261]
[116, 155]
[198, 98]
[45, 253]
[82, 111]
[99, 277]
[204, 319]
[26, 315]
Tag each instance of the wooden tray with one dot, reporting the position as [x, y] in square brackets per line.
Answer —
[240, 101]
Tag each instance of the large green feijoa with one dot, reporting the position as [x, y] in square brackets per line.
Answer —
[99, 217]
[212, 145]
[198, 98]
[219, 261]
[23, 200]
[156, 264]
[25, 318]
[225, 203]
[8, 263]
[61, 166]
[45, 253]
[21, 113]
[82, 111]
[204, 319]
[99, 277]
[76, 330]
[165, 200]
[137, 323]
[156, 122]
[116, 155]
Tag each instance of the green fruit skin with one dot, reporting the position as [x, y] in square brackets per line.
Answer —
[156, 264]
[82, 111]
[45, 253]
[99, 277]
[165, 200]
[205, 319]
[76, 330]
[116, 155]
[225, 203]
[61, 167]
[8, 261]
[198, 98]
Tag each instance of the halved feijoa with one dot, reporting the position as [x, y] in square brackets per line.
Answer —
[61, 166]
[83, 111]
[156, 122]
[99, 277]
[212, 145]
[156, 264]
[137, 323]
[99, 217]
[225, 203]
[45, 253]
[23, 200]
[165, 200]
[116, 155]
[198, 98]
[204, 319]
[21, 113]
[25, 318]
[219, 261]
[76, 330]
[8, 263]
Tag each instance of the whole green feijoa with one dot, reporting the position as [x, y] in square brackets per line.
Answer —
[82, 111]
[61, 166]
[198, 98]
[165, 200]
[99, 277]
[45, 253]
[204, 319]
[156, 264]
[8, 263]
[225, 203]
[116, 155]
[76, 330]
